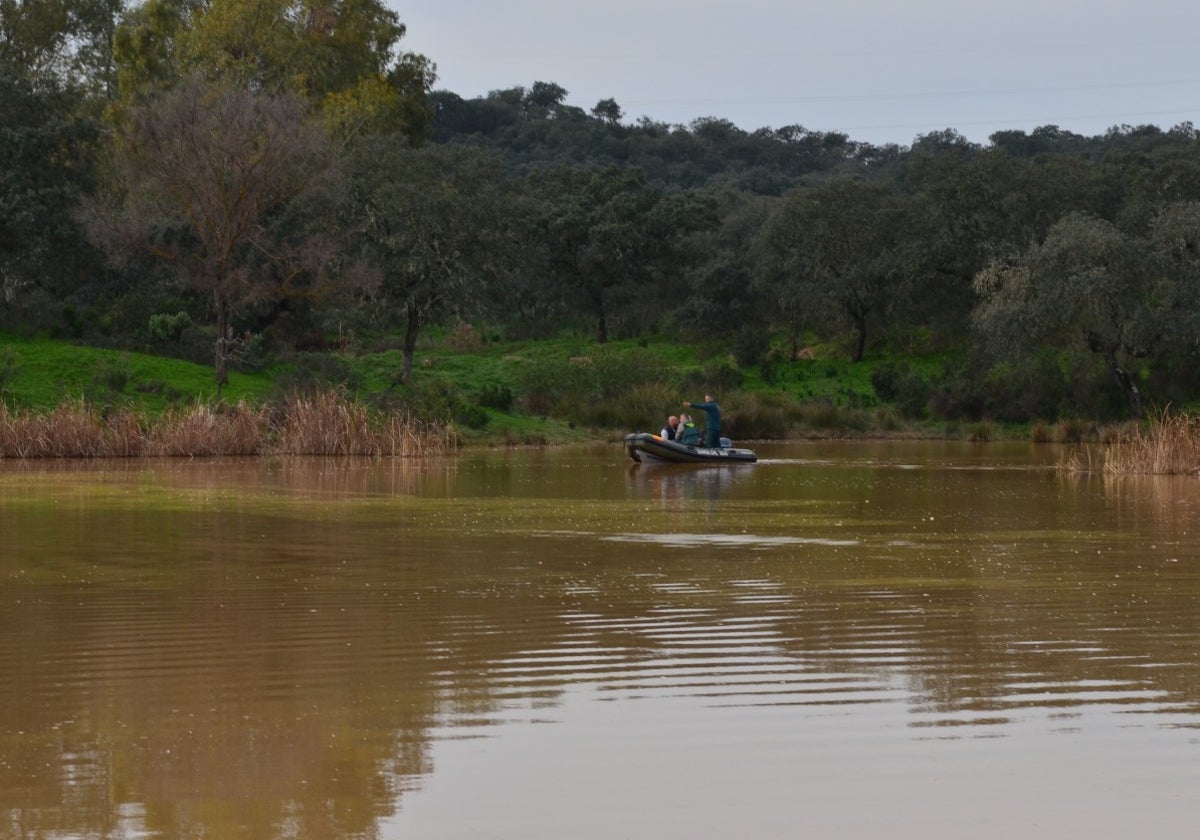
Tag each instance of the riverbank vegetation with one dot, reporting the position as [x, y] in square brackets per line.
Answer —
[1167, 444]
[219, 209]
[322, 424]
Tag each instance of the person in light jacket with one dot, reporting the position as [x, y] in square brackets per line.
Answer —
[687, 433]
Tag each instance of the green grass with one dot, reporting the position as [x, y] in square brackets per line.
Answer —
[40, 374]
[561, 389]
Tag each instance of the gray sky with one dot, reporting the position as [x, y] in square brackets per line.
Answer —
[882, 71]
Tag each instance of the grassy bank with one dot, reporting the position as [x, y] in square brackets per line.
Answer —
[465, 386]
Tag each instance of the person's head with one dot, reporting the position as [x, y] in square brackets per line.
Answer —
[708, 398]
[672, 421]
[685, 418]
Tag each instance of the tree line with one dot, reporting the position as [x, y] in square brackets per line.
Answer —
[230, 180]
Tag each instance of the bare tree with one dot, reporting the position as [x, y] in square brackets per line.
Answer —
[207, 173]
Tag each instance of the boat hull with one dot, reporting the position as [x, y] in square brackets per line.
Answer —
[646, 448]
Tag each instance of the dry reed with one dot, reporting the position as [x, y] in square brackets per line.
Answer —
[1168, 445]
[72, 430]
[203, 431]
[325, 424]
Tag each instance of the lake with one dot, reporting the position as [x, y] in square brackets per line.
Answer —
[850, 639]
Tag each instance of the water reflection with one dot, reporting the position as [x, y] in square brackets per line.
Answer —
[313, 648]
[682, 486]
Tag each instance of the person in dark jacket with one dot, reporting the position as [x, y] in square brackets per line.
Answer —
[712, 426]
[687, 433]
[669, 430]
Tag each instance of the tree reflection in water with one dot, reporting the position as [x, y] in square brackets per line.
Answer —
[276, 649]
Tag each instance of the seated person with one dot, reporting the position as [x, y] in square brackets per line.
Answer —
[687, 433]
[668, 431]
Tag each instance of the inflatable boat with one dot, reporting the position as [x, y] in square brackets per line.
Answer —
[646, 448]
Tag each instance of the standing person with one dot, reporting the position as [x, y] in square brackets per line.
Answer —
[687, 433]
[712, 427]
[670, 430]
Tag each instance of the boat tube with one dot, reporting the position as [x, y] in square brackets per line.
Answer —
[647, 448]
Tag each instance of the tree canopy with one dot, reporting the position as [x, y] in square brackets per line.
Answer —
[261, 153]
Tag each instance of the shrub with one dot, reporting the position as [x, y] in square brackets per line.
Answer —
[888, 418]
[982, 431]
[904, 387]
[310, 373]
[495, 395]
[550, 387]
[111, 378]
[464, 338]
[643, 406]
[470, 415]
[1069, 430]
[751, 346]
[760, 416]
[824, 414]
[169, 328]
[722, 376]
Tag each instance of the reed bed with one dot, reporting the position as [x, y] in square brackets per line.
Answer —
[1168, 445]
[204, 431]
[324, 424]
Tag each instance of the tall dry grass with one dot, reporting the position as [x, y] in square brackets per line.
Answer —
[72, 430]
[1168, 444]
[205, 431]
[325, 424]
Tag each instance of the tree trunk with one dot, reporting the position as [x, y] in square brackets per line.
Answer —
[597, 295]
[1125, 382]
[1128, 387]
[221, 347]
[412, 326]
[860, 344]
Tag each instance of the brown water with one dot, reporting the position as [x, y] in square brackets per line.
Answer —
[903, 640]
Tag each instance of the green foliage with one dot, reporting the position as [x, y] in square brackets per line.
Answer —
[761, 416]
[431, 228]
[166, 328]
[900, 383]
[717, 376]
[751, 345]
[10, 363]
[440, 401]
[48, 151]
[640, 407]
[343, 58]
[584, 383]
[825, 415]
[312, 373]
[110, 381]
[495, 395]
[1070, 264]
[844, 247]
